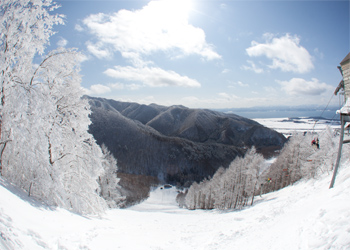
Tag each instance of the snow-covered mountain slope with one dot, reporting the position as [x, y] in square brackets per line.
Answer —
[307, 215]
[176, 145]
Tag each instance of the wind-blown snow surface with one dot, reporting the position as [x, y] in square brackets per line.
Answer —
[307, 215]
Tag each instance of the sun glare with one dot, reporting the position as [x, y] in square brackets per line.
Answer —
[178, 10]
[184, 6]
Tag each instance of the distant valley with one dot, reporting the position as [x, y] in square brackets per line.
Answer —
[175, 145]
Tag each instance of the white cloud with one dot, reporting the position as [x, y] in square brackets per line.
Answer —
[151, 76]
[100, 89]
[270, 89]
[97, 51]
[222, 100]
[134, 86]
[285, 52]
[225, 97]
[190, 99]
[159, 26]
[62, 42]
[238, 83]
[97, 89]
[148, 100]
[252, 67]
[299, 86]
[83, 58]
[120, 86]
[136, 59]
[78, 27]
[318, 53]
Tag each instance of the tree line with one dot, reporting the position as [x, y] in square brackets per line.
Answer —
[248, 176]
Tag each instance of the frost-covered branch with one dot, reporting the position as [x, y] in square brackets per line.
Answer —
[43, 109]
[44, 61]
[229, 188]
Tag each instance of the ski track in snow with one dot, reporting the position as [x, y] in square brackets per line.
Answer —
[307, 215]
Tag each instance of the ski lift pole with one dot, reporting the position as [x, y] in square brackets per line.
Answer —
[344, 112]
[341, 142]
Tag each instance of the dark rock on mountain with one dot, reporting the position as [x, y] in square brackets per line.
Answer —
[176, 144]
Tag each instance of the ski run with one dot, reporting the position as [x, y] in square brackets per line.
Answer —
[307, 215]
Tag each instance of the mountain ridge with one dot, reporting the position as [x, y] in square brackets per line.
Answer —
[176, 144]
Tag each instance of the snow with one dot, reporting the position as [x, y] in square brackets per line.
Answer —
[304, 216]
[345, 109]
[307, 215]
[287, 126]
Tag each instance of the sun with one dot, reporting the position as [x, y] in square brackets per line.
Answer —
[177, 10]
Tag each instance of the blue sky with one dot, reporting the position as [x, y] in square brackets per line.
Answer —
[208, 53]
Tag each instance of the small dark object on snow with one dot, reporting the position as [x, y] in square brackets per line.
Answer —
[315, 142]
[167, 186]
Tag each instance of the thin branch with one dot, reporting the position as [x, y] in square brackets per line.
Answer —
[43, 62]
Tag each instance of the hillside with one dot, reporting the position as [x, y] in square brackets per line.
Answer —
[307, 215]
[175, 144]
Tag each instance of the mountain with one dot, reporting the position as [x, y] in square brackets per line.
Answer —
[175, 144]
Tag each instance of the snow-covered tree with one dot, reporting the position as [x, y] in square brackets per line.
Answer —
[71, 149]
[299, 158]
[322, 158]
[25, 28]
[109, 187]
[229, 188]
[242, 179]
[192, 196]
[45, 147]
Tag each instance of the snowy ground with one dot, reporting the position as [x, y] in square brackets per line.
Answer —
[307, 215]
[287, 126]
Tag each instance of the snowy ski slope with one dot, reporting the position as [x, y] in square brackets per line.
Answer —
[307, 215]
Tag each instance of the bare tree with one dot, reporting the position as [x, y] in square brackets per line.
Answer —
[229, 188]
[300, 159]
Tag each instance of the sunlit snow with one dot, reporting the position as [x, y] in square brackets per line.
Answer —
[307, 215]
[287, 126]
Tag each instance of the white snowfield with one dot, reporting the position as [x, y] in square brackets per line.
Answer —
[307, 215]
[287, 126]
